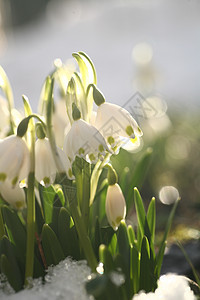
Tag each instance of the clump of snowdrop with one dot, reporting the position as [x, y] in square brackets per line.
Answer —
[170, 287]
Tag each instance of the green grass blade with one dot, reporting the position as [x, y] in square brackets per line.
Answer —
[190, 263]
[163, 243]
[139, 175]
[140, 211]
[147, 279]
[151, 218]
[51, 246]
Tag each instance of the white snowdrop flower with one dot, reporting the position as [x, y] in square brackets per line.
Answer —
[116, 123]
[168, 195]
[45, 168]
[15, 196]
[14, 159]
[84, 140]
[67, 167]
[115, 205]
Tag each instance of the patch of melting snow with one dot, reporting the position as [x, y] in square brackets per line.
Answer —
[64, 281]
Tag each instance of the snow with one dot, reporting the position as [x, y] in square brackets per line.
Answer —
[64, 281]
[170, 287]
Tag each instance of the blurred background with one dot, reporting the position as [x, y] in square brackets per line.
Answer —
[146, 53]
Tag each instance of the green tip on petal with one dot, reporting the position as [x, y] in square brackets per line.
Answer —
[81, 151]
[111, 140]
[75, 112]
[98, 96]
[101, 148]
[14, 181]
[3, 176]
[46, 181]
[19, 205]
[130, 131]
[92, 157]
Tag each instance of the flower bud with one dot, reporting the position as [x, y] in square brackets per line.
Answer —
[115, 205]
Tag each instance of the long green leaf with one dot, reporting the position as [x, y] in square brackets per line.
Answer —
[140, 211]
[190, 263]
[134, 268]
[94, 181]
[139, 175]
[9, 265]
[47, 196]
[106, 258]
[16, 233]
[51, 246]
[151, 218]
[147, 278]
[163, 243]
[67, 235]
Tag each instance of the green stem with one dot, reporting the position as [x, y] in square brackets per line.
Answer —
[81, 229]
[75, 211]
[86, 192]
[30, 228]
[2, 229]
[30, 199]
[77, 170]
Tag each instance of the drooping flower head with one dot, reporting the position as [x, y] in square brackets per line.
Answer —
[15, 196]
[45, 167]
[115, 201]
[14, 159]
[116, 124]
[84, 140]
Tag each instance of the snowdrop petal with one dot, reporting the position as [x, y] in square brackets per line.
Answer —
[15, 196]
[45, 168]
[115, 123]
[132, 145]
[84, 140]
[115, 205]
[66, 163]
[14, 159]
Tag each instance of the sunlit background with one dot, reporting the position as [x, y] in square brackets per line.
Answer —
[146, 54]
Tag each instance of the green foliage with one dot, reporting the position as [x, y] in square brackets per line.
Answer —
[69, 218]
[134, 255]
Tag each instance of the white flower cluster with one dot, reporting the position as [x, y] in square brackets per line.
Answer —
[170, 287]
[78, 132]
